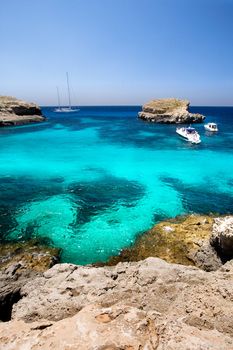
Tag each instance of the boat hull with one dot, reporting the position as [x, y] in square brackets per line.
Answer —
[195, 139]
[207, 128]
[66, 110]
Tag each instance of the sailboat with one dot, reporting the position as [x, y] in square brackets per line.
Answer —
[58, 109]
[68, 109]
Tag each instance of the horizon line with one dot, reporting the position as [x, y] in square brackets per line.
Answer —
[131, 105]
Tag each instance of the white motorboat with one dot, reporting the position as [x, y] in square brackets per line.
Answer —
[211, 127]
[68, 109]
[189, 134]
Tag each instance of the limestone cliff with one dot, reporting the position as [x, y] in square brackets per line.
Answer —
[18, 112]
[169, 111]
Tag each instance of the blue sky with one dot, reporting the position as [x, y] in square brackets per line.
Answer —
[117, 51]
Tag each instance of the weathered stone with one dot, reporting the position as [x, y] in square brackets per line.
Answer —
[222, 237]
[18, 112]
[145, 305]
[169, 110]
[128, 329]
[19, 263]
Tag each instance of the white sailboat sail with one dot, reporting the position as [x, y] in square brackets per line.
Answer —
[68, 89]
[58, 109]
[65, 109]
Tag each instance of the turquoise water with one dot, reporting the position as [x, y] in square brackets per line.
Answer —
[90, 182]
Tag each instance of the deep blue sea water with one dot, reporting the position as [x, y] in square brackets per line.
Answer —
[90, 182]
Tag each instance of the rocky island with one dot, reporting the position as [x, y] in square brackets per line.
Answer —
[149, 304]
[169, 111]
[18, 112]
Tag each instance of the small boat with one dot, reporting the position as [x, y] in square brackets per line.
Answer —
[68, 109]
[211, 127]
[190, 134]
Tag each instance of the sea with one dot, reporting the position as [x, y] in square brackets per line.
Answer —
[91, 181]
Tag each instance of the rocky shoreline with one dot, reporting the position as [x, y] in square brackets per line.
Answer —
[18, 112]
[169, 111]
[147, 304]
[198, 240]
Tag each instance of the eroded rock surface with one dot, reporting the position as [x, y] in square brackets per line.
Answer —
[170, 111]
[19, 263]
[222, 237]
[18, 112]
[150, 304]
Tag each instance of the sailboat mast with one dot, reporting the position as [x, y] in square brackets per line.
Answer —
[68, 88]
[58, 98]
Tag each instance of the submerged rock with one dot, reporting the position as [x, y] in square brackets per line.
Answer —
[18, 112]
[170, 111]
[145, 305]
[184, 240]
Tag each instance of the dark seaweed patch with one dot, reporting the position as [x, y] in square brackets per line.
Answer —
[90, 197]
[201, 199]
[96, 196]
[15, 191]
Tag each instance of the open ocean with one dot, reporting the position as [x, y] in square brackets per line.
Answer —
[89, 182]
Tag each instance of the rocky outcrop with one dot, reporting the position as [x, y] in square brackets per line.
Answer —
[169, 111]
[145, 305]
[18, 112]
[183, 240]
[19, 263]
[28, 256]
[222, 237]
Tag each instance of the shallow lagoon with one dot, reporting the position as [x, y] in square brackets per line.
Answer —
[90, 182]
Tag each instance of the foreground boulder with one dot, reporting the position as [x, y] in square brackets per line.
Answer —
[149, 305]
[222, 237]
[169, 111]
[18, 112]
